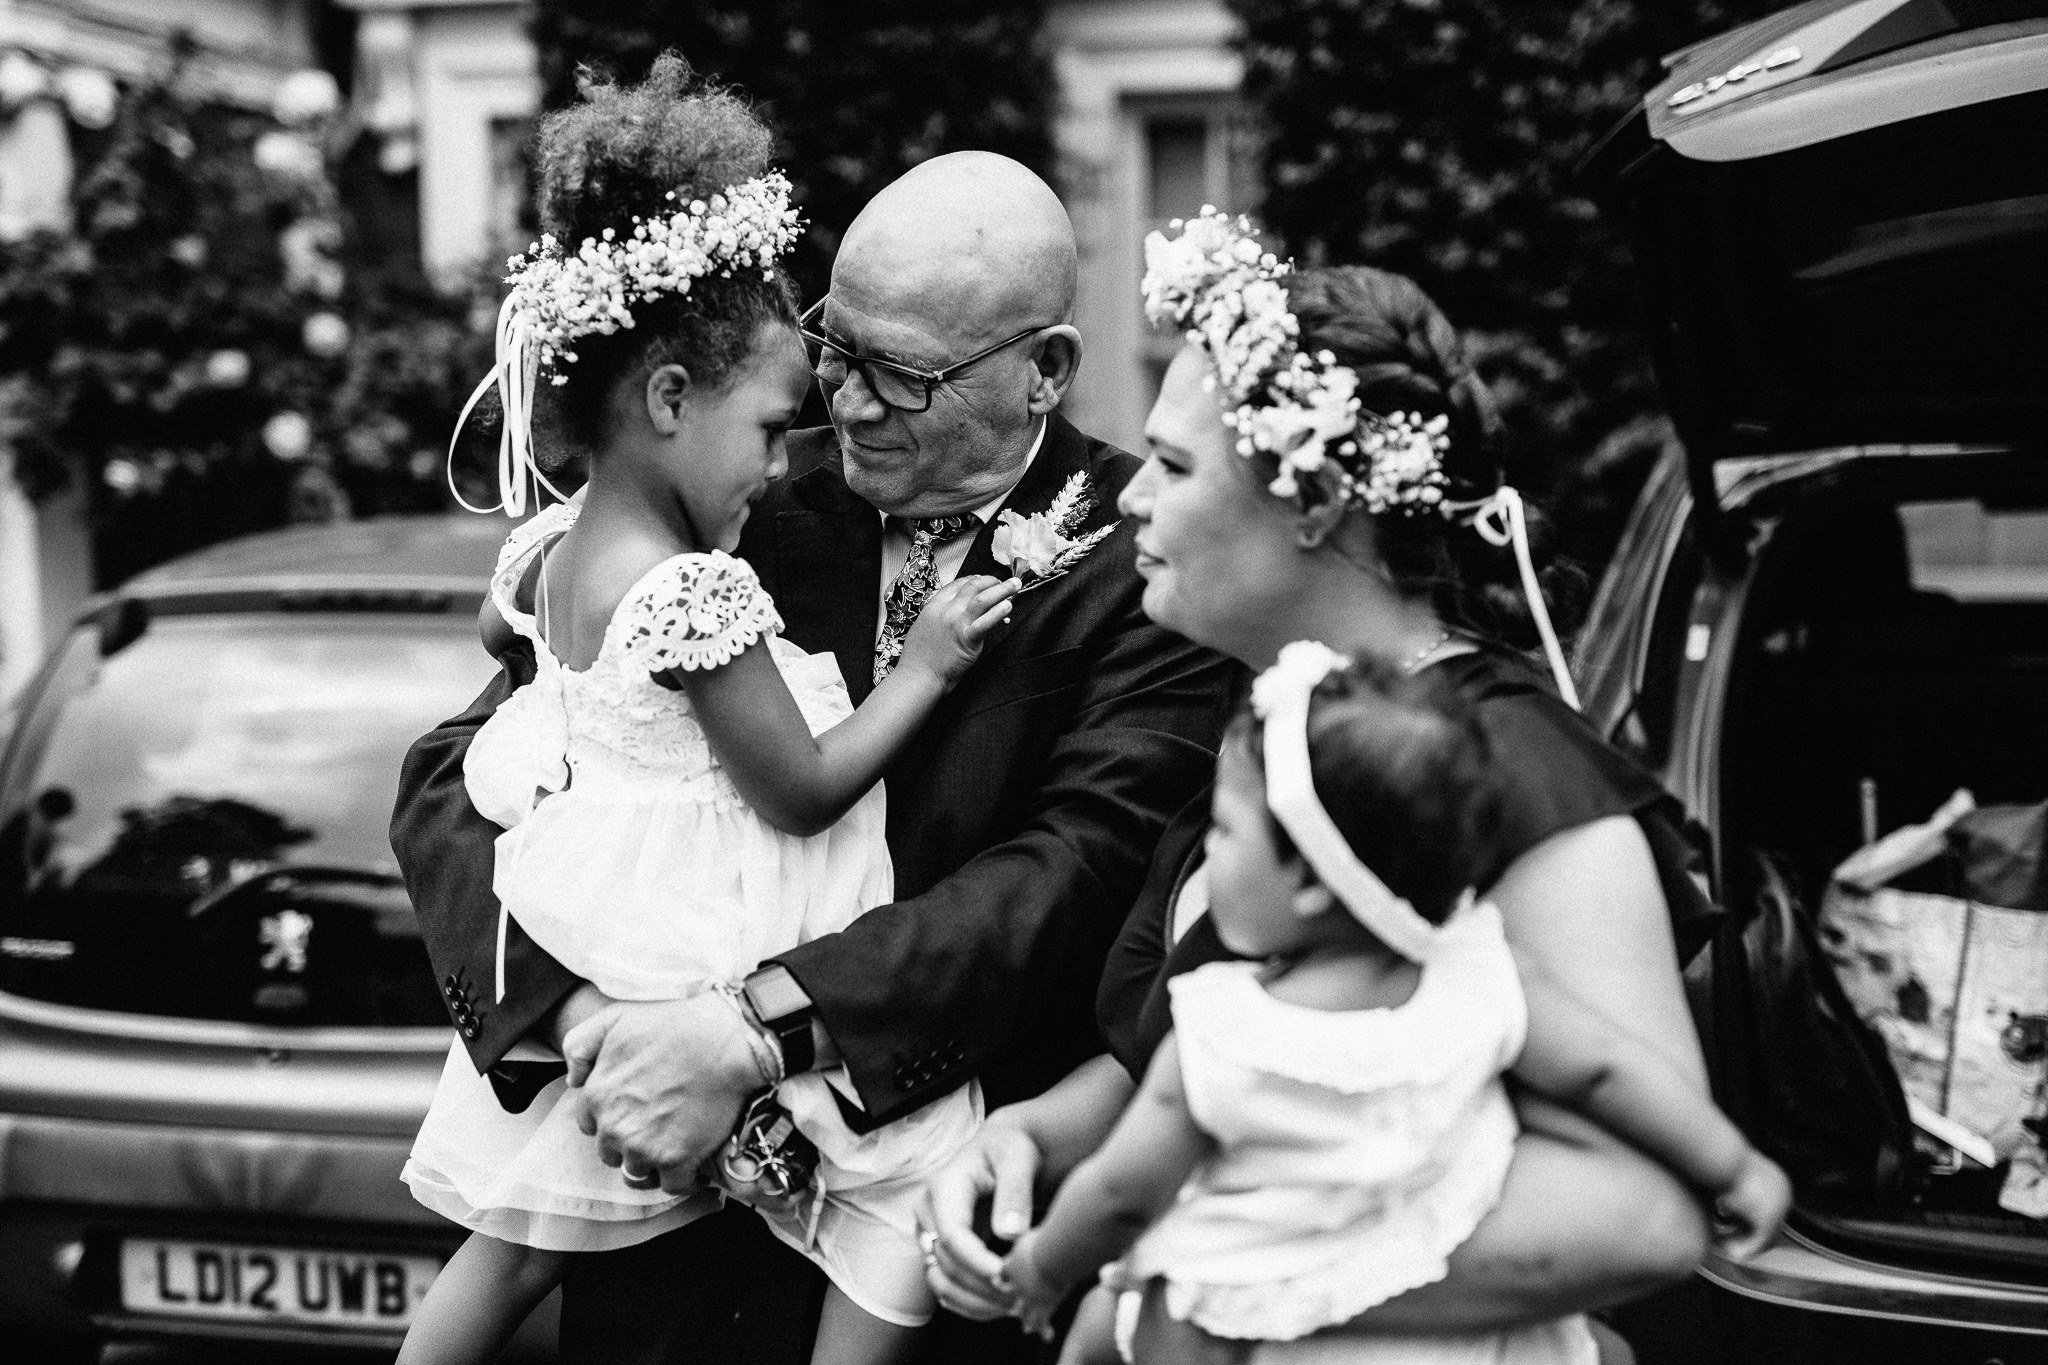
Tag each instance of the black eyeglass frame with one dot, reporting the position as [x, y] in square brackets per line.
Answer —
[927, 379]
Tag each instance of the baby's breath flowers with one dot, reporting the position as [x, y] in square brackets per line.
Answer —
[1216, 282]
[557, 297]
[563, 296]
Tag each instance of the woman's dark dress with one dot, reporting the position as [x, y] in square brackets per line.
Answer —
[1556, 775]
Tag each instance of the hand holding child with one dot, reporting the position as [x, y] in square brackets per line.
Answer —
[949, 633]
[1749, 1210]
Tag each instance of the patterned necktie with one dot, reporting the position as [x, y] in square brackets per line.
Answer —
[916, 583]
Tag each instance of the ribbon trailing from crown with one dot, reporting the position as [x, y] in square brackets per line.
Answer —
[1225, 291]
[558, 297]
[1280, 698]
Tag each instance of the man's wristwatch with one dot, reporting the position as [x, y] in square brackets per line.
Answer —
[785, 1008]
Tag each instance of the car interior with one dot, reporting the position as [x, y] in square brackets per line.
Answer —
[1893, 649]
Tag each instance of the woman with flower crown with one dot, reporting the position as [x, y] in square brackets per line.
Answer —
[1324, 466]
[671, 739]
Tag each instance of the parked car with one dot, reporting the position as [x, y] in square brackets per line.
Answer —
[218, 1027]
[1830, 610]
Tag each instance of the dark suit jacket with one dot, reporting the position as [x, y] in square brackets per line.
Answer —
[1021, 819]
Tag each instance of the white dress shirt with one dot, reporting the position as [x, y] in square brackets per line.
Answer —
[947, 558]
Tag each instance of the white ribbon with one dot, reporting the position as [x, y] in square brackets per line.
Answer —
[517, 367]
[1501, 521]
[1281, 698]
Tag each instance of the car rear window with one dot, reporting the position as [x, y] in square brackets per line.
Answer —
[1975, 553]
[196, 825]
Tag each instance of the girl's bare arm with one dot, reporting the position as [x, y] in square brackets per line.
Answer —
[802, 784]
[1113, 1196]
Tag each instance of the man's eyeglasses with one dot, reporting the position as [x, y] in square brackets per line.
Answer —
[903, 387]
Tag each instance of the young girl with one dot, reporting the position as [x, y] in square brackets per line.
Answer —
[1321, 1131]
[684, 793]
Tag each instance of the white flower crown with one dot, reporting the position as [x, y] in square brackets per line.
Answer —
[562, 297]
[1215, 281]
[556, 298]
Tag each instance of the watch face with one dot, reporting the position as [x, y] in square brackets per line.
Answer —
[776, 995]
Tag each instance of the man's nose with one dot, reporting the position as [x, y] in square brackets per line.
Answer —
[856, 403]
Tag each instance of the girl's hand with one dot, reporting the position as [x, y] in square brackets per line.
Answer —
[1034, 1299]
[1747, 1215]
[998, 1168]
[956, 621]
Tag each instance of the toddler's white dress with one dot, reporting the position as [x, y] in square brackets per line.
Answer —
[629, 856]
[1357, 1150]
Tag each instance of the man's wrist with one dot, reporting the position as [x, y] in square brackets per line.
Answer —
[762, 1050]
[784, 1009]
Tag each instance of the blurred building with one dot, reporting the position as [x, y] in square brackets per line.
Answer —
[1148, 129]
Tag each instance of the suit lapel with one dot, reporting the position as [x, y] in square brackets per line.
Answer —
[1064, 454]
[828, 552]
[828, 571]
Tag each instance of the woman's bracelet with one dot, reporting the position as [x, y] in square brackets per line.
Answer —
[767, 1056]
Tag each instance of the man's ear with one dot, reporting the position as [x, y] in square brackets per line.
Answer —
[667, 394]
[1056, 355]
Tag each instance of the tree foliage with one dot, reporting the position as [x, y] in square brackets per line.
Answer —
[857, 94]
[1439, 138]
[210, 347]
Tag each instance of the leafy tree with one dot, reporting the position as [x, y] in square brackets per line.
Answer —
[1439, 138]
[857, 94]
[209, 347]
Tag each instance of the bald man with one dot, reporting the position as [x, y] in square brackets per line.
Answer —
[1021, 820]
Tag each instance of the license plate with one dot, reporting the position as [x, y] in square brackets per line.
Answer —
[221, 1280]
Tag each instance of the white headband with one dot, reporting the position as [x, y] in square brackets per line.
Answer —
[1280, 699]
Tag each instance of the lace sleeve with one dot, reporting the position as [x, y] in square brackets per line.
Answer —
[697, 611]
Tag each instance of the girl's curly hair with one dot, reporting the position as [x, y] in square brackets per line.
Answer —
[615, 157]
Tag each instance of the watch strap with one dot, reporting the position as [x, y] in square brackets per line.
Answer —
[785, 1009]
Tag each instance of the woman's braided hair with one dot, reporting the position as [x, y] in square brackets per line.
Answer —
[616, 156]
[1409, 359]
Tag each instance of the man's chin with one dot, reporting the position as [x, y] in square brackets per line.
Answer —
[875, 476]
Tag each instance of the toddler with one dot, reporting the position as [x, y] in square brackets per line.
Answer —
[1325, 1125]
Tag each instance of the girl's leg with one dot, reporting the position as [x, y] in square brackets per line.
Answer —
[478, 1301]
[850, 1335]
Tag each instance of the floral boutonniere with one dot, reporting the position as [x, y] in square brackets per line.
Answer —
[1040, 548]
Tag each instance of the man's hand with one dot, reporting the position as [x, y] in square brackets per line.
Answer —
[661, 1082]
[999, 1165]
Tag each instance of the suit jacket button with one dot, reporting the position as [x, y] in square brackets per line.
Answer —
[470, 1030]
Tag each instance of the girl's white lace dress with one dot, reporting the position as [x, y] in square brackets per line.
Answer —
[1357, 1150]
[629, 856]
